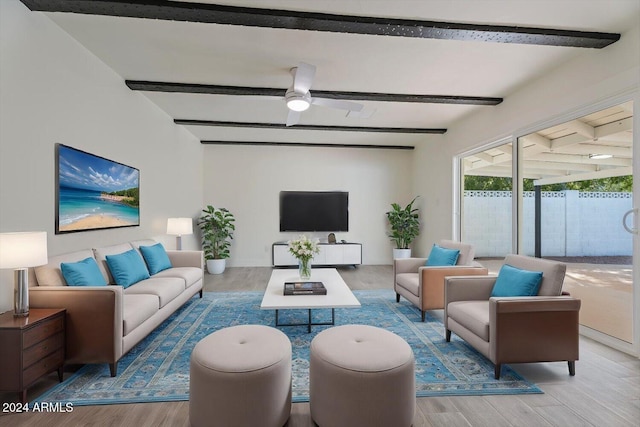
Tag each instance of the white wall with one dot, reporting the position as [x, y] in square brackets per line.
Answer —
[247, 180]
[55, 91]
[593, 77]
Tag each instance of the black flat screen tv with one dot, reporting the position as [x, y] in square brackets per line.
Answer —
[314, 211]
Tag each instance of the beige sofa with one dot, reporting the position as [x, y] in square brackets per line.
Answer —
[104, 322]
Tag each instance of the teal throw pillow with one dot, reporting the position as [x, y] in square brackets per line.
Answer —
[515, 282]
[82, 273]
[156, 258]
[440, 256]
[127, 268]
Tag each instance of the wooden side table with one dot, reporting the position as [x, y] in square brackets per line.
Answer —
[30, 347]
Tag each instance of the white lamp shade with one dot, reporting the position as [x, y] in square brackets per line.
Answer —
[21, 250]
[179, 226]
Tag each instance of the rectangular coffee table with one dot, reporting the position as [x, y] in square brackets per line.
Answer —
[338, 294]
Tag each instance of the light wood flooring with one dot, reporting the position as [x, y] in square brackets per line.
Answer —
[605, 391]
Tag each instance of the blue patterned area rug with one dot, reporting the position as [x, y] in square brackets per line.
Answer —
[157, 369]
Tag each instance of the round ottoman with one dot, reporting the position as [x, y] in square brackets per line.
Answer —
[361, 376]
[241, 376]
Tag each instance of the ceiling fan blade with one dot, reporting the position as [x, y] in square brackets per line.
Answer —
[365, 113]
[338, 103]
[305, 73]
[293, 118]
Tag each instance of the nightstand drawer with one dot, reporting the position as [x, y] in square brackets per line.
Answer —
[44, 366]
[48, 328]
[41, 349]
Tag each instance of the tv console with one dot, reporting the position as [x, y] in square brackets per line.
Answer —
[331, 254]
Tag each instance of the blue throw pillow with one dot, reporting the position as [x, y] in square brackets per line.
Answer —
[440, 256]
[515, 282]
[82, 273]
[156, 258]
[127, 268]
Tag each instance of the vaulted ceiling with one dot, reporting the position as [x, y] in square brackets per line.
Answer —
[221, 68]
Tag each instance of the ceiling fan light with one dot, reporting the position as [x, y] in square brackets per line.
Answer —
[298, 104]
[600, 156]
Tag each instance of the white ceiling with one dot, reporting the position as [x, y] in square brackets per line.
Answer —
[185, 52]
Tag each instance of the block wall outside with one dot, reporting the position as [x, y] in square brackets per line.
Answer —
[573, 223]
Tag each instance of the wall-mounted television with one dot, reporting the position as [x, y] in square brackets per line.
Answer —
[314, 211]
[94, 193]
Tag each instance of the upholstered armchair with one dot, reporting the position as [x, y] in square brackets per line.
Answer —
[540, 328]
[423, 285]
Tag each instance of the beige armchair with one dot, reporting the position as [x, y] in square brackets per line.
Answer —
[542, 328]
[424, 286]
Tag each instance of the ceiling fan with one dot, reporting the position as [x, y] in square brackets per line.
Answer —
[299, 98]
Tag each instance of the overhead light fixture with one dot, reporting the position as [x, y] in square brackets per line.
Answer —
[600, 156]
[297, 101]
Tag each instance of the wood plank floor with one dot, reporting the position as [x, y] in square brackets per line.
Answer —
[605, 391]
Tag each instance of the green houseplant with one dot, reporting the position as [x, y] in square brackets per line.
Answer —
[405, 227]
[217, 227]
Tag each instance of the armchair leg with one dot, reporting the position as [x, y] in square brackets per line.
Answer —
[200, 293]
[572, 367]
[448, 335]
[497, 371]
[423, 312]
[397, 297]
[113, 368]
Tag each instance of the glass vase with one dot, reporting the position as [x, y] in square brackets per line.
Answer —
[304, 269]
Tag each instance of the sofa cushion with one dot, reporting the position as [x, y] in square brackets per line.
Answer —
[156, 258]
[473, 315]
[191, 275]
[516, 282]
[165, 288]
[101, 253]
[409, 281]
[440, 256]
[50, 274]
[127, 268]
[136, 308]
[82, 273]
[467, 251]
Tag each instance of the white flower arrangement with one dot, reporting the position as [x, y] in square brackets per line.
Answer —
[303, 248]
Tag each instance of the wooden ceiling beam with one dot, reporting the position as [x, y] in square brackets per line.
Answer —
[148, 86]
[189, 122]
[313, 21]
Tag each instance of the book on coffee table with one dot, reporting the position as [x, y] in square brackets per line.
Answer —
[304, 288]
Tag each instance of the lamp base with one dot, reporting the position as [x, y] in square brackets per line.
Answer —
[179, 242]
[21, 293]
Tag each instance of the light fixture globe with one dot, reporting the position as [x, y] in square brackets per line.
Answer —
[297, 101]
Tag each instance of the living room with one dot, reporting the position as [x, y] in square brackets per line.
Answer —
[56, 90]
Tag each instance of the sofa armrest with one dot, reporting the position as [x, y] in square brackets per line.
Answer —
[432, 282]
[186, 258]
[534, 329]
[407, 265]
[93, 321]
[468, 288]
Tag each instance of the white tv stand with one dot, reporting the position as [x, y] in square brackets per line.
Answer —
[331, 254]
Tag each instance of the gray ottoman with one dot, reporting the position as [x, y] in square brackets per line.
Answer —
[241, 376]
[361, 376]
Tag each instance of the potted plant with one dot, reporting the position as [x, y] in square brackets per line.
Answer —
[405, 227]
[217, 230]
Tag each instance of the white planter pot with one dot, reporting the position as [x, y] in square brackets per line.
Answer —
[401, 253]
[216, 266]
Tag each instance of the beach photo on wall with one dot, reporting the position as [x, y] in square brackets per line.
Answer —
[94, 193]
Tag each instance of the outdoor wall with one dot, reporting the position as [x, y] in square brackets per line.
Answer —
[573, 223]
[248, 179]
[55, 91]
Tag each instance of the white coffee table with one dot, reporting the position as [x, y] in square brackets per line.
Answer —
[338, 294]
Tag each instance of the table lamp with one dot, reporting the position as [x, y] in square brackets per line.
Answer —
[179, 227]
[20, 251]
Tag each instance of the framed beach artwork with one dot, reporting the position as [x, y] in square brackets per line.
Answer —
[94, 193]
